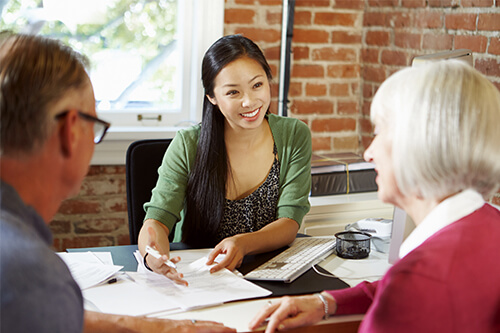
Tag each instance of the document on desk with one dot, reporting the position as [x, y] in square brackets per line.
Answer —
[89, 268]
[151, 293]
[205, 288]
[125, 297]
[354, 271]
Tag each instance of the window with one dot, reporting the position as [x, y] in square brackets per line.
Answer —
[145, 59]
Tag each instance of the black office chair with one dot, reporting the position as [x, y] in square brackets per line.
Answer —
[143, 159]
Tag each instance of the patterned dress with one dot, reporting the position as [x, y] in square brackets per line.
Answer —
[254, 211]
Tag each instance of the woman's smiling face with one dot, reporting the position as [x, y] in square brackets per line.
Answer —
[242, 93]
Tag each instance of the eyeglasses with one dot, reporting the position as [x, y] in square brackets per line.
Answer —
[100, 126]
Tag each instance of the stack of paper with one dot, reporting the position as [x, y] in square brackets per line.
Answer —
[90, 268]
[146, 293]
[205, 288]
[126, 297]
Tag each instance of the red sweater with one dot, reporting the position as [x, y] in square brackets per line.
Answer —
[450, 283]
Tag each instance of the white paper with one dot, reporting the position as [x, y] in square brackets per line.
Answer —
[88, 257]
[128, 298]
[187, 257]
[354, 271]
[87, 269]
[205, 288]
[104, 257]
[147, 293]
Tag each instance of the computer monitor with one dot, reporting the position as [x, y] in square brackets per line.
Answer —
[461, 54]
[402, 226]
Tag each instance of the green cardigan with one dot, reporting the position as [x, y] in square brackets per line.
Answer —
[293, 142]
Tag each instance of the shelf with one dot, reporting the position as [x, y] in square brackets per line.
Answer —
[330, 214]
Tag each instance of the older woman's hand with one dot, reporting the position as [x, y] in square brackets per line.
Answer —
[289, 312]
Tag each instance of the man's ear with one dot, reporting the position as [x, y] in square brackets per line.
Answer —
[212, 100]
[68, 133]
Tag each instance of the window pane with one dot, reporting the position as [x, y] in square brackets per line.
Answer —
[135, 61]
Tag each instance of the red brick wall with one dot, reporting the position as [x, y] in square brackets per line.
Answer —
[325, 68]
[394, 35]
[98, 215]
[342, 51]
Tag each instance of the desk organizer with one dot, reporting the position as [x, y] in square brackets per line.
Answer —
[341, 174]
[353, 244]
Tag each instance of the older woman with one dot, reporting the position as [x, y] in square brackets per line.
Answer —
[437, 155]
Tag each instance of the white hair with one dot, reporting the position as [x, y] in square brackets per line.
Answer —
[444, 119]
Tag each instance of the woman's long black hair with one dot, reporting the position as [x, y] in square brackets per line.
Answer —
[206, 187]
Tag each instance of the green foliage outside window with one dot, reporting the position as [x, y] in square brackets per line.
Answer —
[144, 29]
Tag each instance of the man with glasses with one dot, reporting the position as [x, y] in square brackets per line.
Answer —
[47, 137]
[100, 126]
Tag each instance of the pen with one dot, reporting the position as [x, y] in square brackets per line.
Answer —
[111, 281]
[157, 255]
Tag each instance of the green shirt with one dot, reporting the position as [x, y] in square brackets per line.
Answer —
[293, 142]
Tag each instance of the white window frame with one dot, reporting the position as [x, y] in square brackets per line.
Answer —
[204, 23]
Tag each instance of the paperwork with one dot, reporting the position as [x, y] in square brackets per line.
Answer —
[353, 272]
[205, 288]
[146, 293]
[90, 268]
[126, 297]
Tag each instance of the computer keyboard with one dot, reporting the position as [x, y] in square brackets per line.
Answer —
[294, 261]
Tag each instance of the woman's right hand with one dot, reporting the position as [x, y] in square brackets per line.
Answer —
[290, 312]
[159, 265]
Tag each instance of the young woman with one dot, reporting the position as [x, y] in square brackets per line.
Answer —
[240, 181]
[437, 155]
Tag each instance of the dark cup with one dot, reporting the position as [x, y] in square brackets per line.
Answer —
[353, 244]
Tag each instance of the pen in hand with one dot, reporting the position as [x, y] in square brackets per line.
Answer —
[157, 255]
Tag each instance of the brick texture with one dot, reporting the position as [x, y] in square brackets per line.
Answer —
[97, 216]
[342, 51]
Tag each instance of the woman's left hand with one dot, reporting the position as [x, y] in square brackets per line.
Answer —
[233, 248]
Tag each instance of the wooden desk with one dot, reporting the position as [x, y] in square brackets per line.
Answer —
[327, 327]
[238, 315]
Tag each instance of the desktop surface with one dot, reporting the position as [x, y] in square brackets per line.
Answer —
[237, 314]
[309, 282]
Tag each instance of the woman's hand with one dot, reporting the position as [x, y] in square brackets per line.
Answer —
[289, 312]
[271, 237]
[233, 248]
[159, 265]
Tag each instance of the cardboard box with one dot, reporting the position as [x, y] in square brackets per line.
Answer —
[341, 173]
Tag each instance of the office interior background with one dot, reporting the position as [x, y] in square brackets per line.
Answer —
[342, 50]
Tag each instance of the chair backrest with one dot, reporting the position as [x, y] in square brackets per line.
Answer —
[143, 159]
